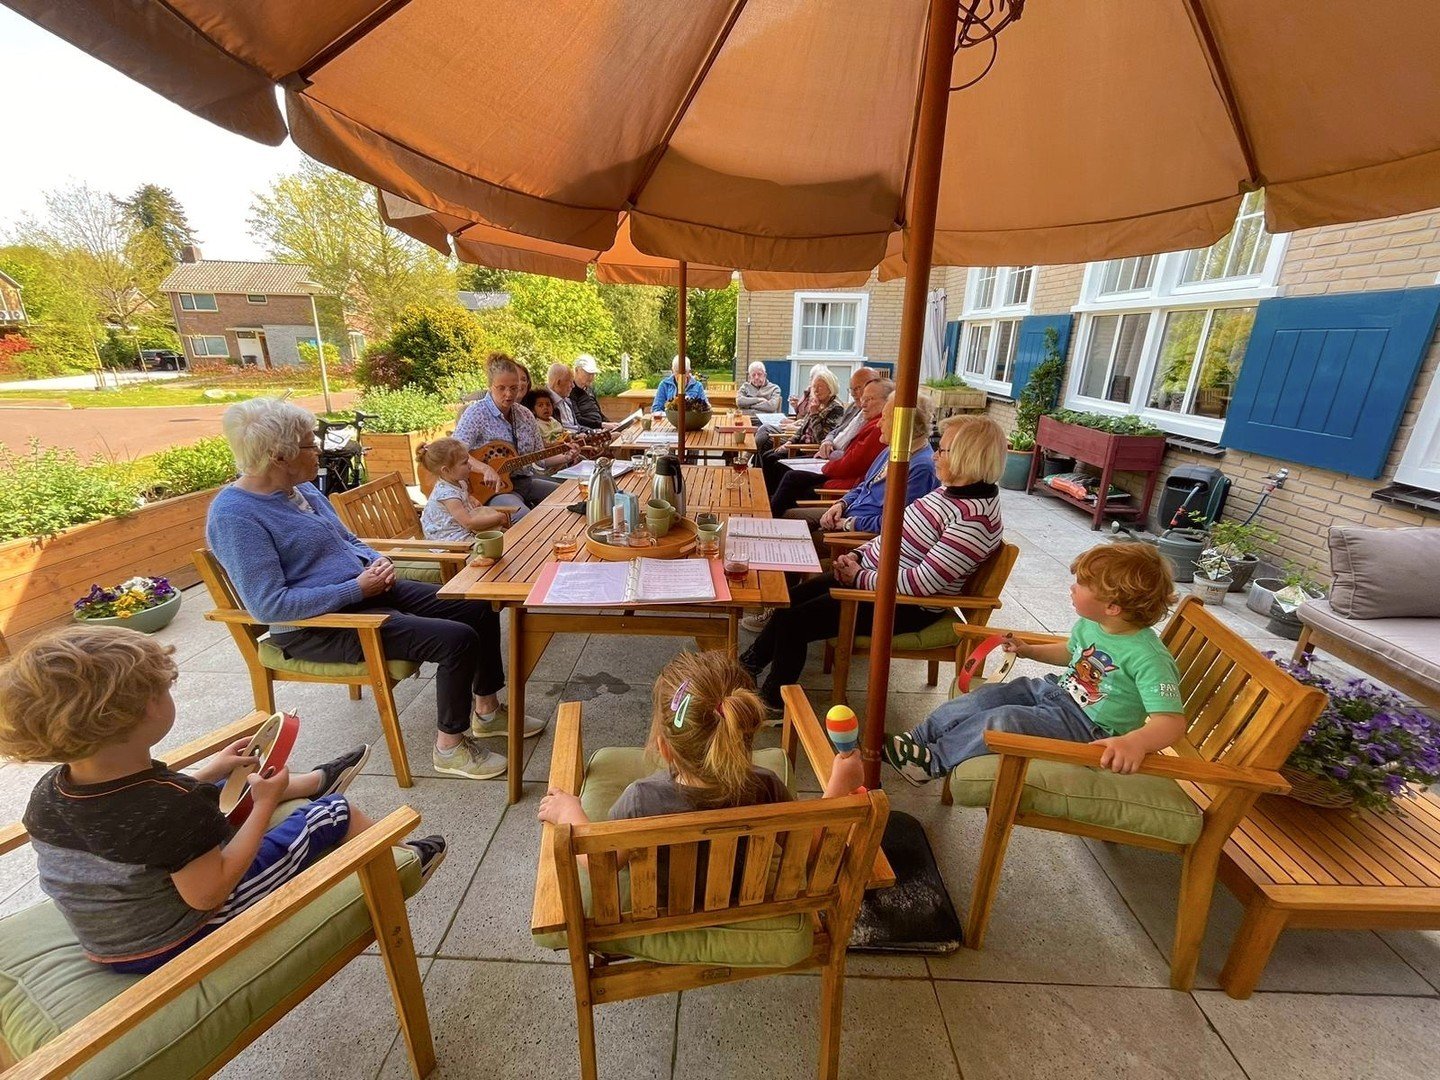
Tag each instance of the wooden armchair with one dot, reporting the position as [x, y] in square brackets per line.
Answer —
[933, 644]
[202, 1008]
[784, 881]
[382, 515]
[1244, 717]
[268, 665]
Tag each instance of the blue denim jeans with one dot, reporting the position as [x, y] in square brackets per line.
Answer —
[955, 732]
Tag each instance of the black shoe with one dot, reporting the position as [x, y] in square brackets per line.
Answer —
[752, 664]
[431, 850]
[337, 774]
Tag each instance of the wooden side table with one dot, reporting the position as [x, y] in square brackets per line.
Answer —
[1111, 454]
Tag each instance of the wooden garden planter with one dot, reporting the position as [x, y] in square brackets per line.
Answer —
[40, 580]
[951, 400]
[1110, 453]
[396, 453]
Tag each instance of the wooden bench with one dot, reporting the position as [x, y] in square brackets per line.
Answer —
[1298, 866]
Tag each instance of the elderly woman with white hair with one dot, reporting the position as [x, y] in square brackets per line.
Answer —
[822, 416]
[290, 558]
[669, 388]
[757, 393]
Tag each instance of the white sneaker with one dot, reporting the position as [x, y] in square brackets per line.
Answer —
[469, 760]
[756, 622]
[498, 726]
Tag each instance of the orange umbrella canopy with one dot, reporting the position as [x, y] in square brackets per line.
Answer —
[778, 134]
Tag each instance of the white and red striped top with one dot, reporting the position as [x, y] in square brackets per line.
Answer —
[945, 536]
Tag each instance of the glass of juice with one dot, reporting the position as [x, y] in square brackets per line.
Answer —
[739, 466]
[737, 568]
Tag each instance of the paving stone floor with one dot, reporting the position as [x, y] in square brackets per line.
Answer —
[1072, 982]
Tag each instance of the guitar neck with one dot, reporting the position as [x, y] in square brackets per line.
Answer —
[511, 464]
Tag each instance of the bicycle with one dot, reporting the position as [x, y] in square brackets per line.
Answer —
[342, 458]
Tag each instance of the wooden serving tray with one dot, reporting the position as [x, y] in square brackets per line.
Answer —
[678, 543]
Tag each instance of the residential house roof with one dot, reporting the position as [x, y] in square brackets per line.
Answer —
[8, 280]
[482, 301]
[249, 278]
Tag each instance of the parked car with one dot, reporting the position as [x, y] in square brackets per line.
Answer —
[160, 360]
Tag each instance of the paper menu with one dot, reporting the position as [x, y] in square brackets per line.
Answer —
[772, 544]
[619, 584]
[768, 527]
[657, 438]
[772, 419]
[810, 465]
[583, 470]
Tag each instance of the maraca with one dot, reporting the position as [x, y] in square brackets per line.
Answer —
[843, 728]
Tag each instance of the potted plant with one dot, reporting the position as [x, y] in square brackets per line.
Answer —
[1239, 543]
[953, 394]
[1036, 399]
[1366, 749]
[1212, 577]
[143, 603]
[1296, 586]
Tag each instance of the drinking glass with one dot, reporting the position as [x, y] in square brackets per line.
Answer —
[707, 527]
[737, 568]
[739, 466]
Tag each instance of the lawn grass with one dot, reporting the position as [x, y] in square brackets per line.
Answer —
[188, 392]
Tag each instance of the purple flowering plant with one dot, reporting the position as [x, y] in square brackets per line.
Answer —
[123, 600]
[1369, 741]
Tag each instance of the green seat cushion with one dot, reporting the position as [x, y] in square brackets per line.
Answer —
[1152, 806]
[777, 942]
[272, 658]
[48, 985]
[414, 570]
[938, 635]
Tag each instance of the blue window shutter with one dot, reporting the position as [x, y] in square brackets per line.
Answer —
[1030, 349]
[1326, 379]
[778, 372]
[884, 367]
[952, 345]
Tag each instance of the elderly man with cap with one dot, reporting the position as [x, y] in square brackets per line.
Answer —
[583, 401]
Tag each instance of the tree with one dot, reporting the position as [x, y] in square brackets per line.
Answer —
[435, 347]
[330, 222]
[64, 318]
[710, 326]
[638, 312]
[482, 279]
[156, 210]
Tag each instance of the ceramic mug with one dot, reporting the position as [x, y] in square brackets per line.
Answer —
[659, 515]
[490, 544]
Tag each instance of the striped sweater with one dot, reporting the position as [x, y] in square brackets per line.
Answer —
[945, 536]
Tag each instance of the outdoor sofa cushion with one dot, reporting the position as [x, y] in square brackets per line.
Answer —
[1412, 645]
[940, 634]
[272, 658]
[1150, 806]
[412, 570]
[760, 943]
[1377, 570]
[48, 985]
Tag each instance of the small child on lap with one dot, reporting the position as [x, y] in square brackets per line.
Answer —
[1121, 687]
[138, 858]
[542, 405]
[452, 513]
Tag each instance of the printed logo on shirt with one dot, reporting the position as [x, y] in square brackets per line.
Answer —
[1082, 681]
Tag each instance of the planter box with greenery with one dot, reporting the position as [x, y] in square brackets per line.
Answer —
[65, 525]
[1112, 444]
[951, 395]
[400, 422]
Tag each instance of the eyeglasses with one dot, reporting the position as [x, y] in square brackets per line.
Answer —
[308, 446]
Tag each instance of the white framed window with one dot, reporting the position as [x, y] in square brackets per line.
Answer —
[209, 345]
[994, 290]
[987, 352]
[1163, 336]
[254, 298]
[829, 324]
[996, 297]
[198, 302]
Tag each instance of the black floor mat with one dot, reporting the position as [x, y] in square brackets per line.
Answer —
[915, 915]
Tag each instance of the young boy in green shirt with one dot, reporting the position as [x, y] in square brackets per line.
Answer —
[1121, 687]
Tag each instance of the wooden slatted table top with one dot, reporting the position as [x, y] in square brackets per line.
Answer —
[529, 543]
[708, 439]
[1298, 853]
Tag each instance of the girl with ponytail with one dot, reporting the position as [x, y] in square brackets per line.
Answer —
[452, 512]
[704, 719]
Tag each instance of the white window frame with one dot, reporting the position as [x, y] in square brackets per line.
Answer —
[997, 306]
[195, 302]
[986, 380]
[862, 306]
[200, 346]
[256, 298]
[1164, 295]
[977, 317]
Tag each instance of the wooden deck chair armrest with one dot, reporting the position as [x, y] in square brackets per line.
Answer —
[794, 448]
[813, 504]
[567, 773]
[867, 596]
[459, 546]
[802, 724]
[457, 559]
[73, 1047]
[1175, 768]
[14, 836]
[336, 621]
[847, 541]
[1025, 637]
[832, 493]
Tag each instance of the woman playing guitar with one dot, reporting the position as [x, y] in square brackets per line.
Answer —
[499, 416]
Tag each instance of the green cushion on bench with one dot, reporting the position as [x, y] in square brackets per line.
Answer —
[275, 660]
[47, 985]
[760, 943]
[414, 570]
[1151, 806]
[938, 635]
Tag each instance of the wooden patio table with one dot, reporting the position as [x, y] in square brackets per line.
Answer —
[708, 441]
[529, 547]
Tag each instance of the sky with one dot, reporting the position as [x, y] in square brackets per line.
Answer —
[75, 119]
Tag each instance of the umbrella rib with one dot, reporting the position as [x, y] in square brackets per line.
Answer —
[373, 21]
[684, 107]
[1218, 72]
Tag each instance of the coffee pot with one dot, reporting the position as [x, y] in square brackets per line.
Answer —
[601, 503]
[668, 484]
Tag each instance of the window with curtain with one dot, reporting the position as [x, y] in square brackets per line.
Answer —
[829, 325]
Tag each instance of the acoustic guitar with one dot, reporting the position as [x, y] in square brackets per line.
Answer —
[502, 457]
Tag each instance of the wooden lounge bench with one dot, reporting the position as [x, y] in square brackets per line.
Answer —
[1303, 867]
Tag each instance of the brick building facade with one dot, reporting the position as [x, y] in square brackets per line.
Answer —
[1131, 317]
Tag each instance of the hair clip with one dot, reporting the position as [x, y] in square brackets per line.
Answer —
[680, 703]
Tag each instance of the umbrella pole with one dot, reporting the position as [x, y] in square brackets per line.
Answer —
[919, 247]
[682, 377]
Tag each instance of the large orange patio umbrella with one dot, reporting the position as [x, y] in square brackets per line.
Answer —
[824, 137]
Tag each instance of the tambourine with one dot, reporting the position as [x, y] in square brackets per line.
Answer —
[270, 746]
[975, 664]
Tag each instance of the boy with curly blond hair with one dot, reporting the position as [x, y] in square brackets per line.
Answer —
[1120, 687]
[138, 858]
